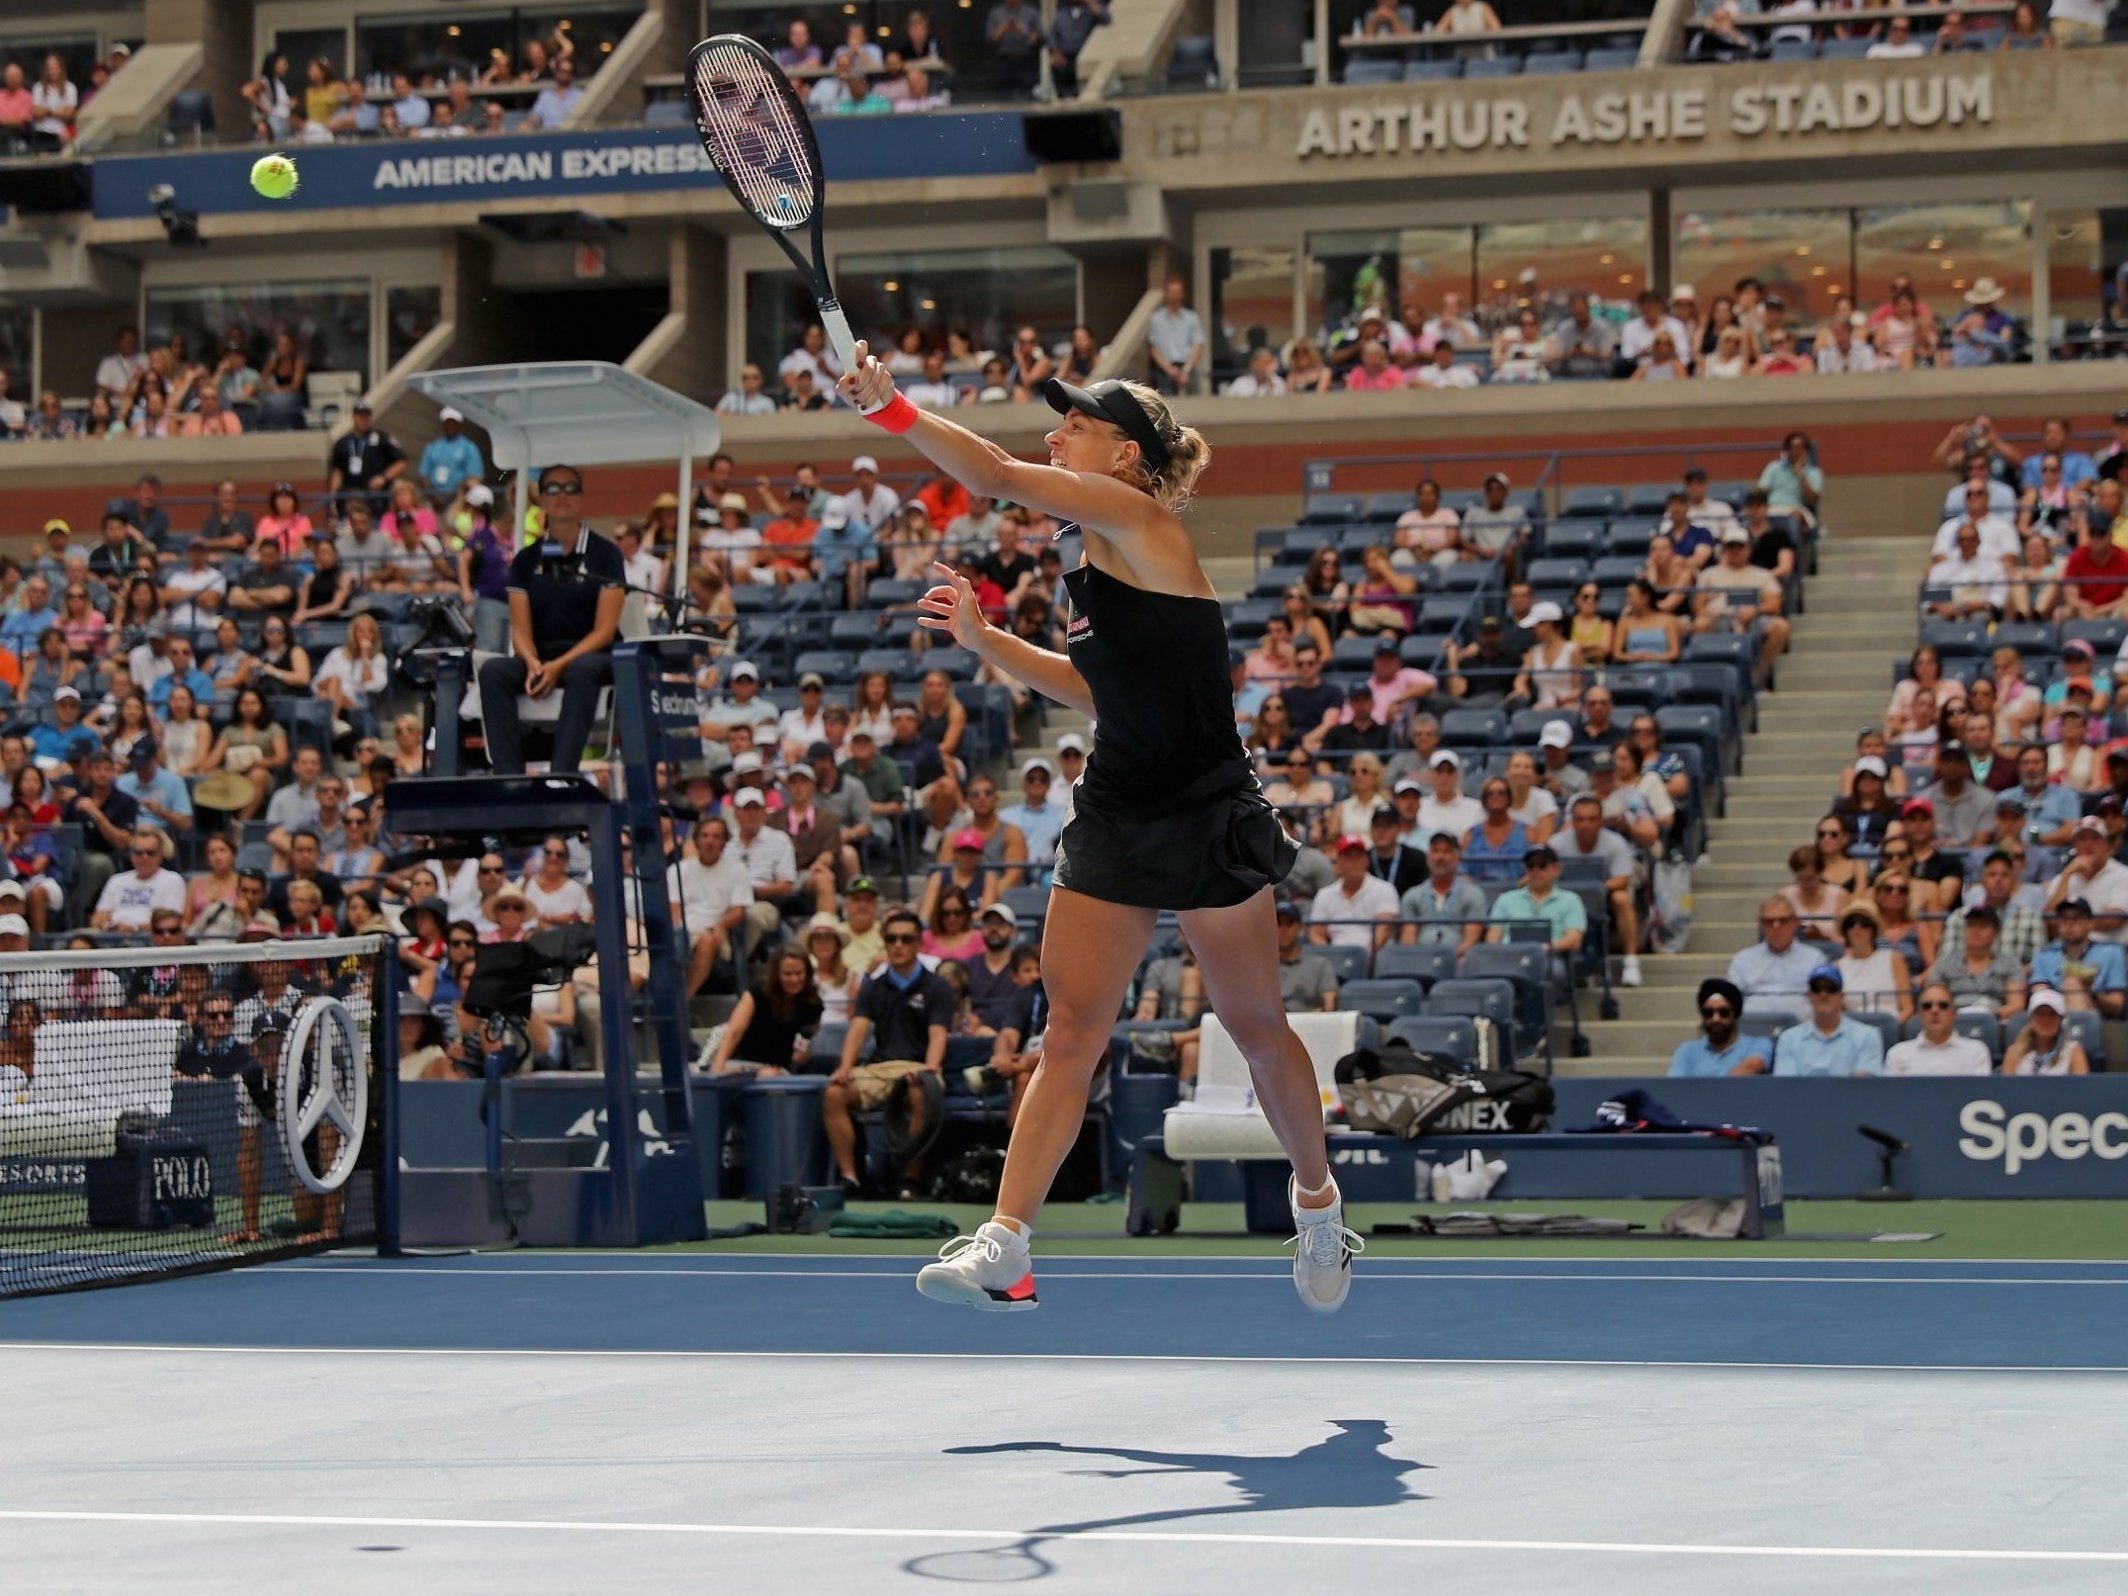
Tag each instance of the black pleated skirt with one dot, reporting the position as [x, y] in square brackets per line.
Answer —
[1210, 854]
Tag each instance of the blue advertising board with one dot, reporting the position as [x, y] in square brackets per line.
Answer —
[1992, 1137]
[481, 169]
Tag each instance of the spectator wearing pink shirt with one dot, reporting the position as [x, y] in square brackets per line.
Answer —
[1374, 373]
[1393, 683]
[17, 109]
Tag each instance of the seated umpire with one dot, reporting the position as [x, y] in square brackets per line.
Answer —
[565, 593]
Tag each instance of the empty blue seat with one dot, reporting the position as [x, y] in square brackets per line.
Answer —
[1332, 509]
[2029, 638]
[2105, 637]
[1591, 504]
[1490, 997]
[830, 664]
[898, 663]
[1373, 69]
[1620, 60]
[1730, 493]
[1552, 572]
[1473, 728]
[893, 590]
[1953, 639]
[957, 663]
[1505, 66]
[1629, 537]
[1615, 570]
[1349, 963]
[1424, 69]
[1793, 50]
[1572, 540]
[1423, 962]
[1550, 63]
[1382, 999]
[1648, 498]
[1845, 49]
[1301, 543]
[1450, 1036]
[1389, 506]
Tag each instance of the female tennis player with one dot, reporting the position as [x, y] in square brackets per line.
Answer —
[1167, 816]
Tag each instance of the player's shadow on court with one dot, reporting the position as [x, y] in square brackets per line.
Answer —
[1351, 1468]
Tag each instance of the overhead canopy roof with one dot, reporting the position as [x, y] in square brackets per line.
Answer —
[586, 412]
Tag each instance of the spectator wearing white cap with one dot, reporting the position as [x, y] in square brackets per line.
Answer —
[771, 863]
[449, 460]
[805, 724]
[2045, 1046]
[741, 703]
[1356, 909]
[2097, 878]
[1551, 670]
[870, 504]
[1039, 816]
[1071, 758]
[1447, 808]
[1562, 778]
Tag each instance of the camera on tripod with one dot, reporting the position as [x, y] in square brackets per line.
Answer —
[443, 624]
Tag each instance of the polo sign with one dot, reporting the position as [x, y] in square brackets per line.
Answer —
[1796, 109]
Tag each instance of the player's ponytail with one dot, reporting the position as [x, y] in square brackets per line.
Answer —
[1187, 454]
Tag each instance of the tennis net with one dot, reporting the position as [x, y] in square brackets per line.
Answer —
[165, 1110]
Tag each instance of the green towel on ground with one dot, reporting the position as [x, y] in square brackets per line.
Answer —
[894, 1224]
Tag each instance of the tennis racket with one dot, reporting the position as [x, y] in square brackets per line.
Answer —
[760, 139]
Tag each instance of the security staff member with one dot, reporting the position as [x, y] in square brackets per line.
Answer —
[565, 595]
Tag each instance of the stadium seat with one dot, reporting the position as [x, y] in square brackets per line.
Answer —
[1383, 999]
[1620, 60]
[1885, 1025]
[1697, 723]
[2084, 1025]
[1980, 1025]
[1473, 728]
[831, 665]
[1491, 998]
[1030, 904]
[1426, 650]
[2029, 638]
[1388, 506]
[1550, 63]
[889, 591]
[896, 662]
[1332, 509]
[1730, 493]
[855, 632]
[1506, 66]
[1349, 963]
[1553, 572]
[668, 113]
[1793, 50]
[1844, 49]
[957, 663]
[1952, 639]
[1373, 69]
[1572, 540]
[1468, 576]
[1648, 498]
[1424, 69]
[1590, 504]
[1193, 64]
[1527, 964]
[2105, 637]
[1423, 962]
[1447, 1035]
[1301, 544]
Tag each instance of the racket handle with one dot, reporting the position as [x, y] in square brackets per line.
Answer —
[840, 338]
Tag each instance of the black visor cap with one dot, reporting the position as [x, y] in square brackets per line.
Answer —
[1109, 401]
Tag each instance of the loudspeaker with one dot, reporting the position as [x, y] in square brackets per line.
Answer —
[1074, 135]
[45, 186]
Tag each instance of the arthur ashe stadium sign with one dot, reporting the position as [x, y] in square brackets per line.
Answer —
[1799, 108]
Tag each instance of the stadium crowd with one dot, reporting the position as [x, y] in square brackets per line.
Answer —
[1538, 335]
[1968, 879]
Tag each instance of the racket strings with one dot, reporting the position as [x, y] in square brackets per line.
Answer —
[748, 122]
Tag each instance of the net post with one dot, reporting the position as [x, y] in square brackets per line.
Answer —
[384, 1050]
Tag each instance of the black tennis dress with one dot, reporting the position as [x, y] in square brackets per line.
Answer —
[1169, 814]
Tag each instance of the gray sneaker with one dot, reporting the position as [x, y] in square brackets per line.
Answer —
[1323, 1253]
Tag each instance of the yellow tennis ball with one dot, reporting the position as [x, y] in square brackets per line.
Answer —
[274, 176]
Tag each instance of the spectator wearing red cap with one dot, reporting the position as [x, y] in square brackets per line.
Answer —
[998, 840]
[1357, 908]
[1939, 877]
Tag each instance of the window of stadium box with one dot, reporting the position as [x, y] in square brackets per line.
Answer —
[331, 320]
[18, 350]
[410, 315]
[1630, 15]
[1413, 267]
[1810, 258]
[443, 44]
[1252, 304]
[958, 29]
[932, 290]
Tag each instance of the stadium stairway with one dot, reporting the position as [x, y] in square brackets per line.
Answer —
[1835, 680]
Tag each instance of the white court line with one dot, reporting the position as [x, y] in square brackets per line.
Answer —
[1369, 1360]
[1882, 1260]
[1280, 1277]
[1158, 1537]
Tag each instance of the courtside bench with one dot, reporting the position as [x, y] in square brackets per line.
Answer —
[1223, 1124]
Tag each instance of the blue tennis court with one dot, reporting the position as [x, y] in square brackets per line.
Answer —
[771, 1423]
